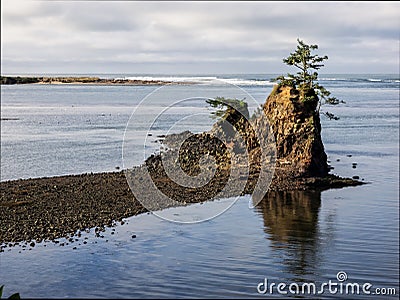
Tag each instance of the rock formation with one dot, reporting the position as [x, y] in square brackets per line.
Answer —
[293, 159]
[297, 130]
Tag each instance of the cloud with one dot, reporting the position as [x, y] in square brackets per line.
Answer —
[186, 37]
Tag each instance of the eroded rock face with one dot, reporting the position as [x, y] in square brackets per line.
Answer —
[296, 127]
[297, 130]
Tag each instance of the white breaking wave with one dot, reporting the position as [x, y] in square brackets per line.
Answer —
[173, 78]
[332, 79]
[238, 81]
[202, 80]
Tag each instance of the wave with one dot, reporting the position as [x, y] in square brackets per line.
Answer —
[366, 80]
[247, 82]
[384, 80]
[199, 79]
[203, 80]
[333, 79]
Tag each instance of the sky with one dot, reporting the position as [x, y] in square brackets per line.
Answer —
[52, 36]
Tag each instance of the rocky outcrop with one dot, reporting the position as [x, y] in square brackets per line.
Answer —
[294, 155]
[297, 129]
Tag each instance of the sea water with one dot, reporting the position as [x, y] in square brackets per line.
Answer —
[293, 237]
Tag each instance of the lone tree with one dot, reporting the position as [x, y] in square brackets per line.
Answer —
[306, 79]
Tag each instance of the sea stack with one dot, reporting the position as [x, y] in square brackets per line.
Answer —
[294, 119]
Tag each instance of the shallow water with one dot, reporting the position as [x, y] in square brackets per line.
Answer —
[290, 237]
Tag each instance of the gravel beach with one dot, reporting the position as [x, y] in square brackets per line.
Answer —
[51, 208]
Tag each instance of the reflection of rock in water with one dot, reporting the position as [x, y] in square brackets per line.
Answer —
[291, 221]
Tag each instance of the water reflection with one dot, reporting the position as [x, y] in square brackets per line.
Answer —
[291, 224]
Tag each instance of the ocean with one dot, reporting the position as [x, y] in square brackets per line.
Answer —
[294, 237]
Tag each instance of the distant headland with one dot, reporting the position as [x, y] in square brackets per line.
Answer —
[9, 80]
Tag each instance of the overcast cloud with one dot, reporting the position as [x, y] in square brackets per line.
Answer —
[195, 37]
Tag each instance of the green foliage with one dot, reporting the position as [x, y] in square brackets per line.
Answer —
[13, 296]
[289, 80]
[306, 78]
[305, 62]
[223, 105]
